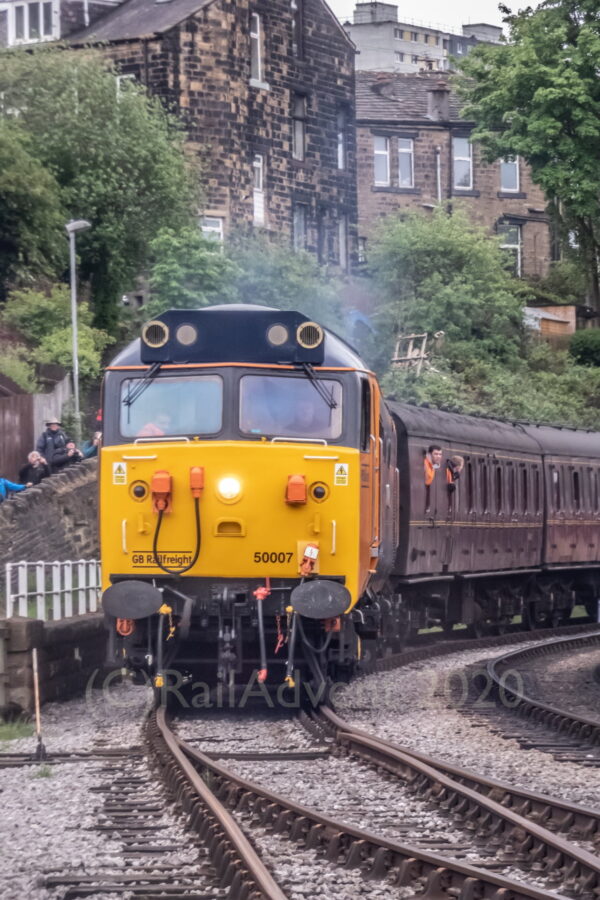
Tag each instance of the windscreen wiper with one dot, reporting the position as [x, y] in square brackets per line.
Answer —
[146, 381]
[318, 385]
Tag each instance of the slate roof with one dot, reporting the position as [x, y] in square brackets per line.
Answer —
[393, 97]
[137, 19]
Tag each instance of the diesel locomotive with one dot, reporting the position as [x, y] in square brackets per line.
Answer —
[264, 508]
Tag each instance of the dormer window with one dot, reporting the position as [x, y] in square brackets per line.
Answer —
[27, 23]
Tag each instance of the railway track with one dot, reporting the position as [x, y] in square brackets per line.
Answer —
[516, 830]
[582, 730]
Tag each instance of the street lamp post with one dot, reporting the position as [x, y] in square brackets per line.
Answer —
[73, 227]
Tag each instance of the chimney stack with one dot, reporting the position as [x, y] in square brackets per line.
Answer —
[438, 102]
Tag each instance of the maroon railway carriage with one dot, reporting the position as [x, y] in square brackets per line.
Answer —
[519, 534]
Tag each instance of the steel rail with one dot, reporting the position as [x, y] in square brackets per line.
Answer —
[480, 804]
[236, 861]
[581, 822]
[574, 725]
[343, 844]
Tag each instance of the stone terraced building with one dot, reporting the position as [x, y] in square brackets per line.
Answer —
[414, 152]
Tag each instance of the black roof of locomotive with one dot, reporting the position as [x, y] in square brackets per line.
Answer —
[495, 434]
[337, 351]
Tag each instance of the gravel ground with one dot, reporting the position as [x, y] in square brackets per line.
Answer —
[50, 812]
[416, 707]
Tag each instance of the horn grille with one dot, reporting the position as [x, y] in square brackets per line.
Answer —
[309, 335]
[155, 334]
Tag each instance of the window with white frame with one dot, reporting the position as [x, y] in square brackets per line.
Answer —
[406, 174]
[343, 241]
[124, 82]
[462, 164]
[342, 137]
[212, 228]
[256, 63]
[381, 160]
[414, 60]
[298, 126]
[258, 165]
[25, 23]
[299, 226]
[399, 57]
[509, 174]
[510, 241]
[362, 249]
[414, 36]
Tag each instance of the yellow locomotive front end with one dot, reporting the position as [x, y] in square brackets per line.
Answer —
[238, 498]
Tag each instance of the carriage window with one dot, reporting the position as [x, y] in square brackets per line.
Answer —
[595, 491]
[512, 500]
[576, 491]
[484, 486]
[536, 490]
[172, 406]
[556, 492]
[524, 490]
[470, 494]
[290, 407]
[498, 488]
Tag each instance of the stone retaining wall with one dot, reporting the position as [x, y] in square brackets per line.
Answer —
[54, 521]
[70, 651]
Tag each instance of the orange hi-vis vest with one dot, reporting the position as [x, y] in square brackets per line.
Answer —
[429, 471]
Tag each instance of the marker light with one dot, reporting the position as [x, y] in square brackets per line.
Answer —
[229, 488]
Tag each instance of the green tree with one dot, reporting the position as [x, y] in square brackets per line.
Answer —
[115, 153]
[443, 273]
[585, 347]
[538, 96]
[31, 215]
[36, 313]
[189, 271]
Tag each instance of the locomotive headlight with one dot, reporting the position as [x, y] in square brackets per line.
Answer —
[229, 488]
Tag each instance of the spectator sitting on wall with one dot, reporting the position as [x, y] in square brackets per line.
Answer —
[9, 487]
[34, 470]
[52, 445]
[90, 448]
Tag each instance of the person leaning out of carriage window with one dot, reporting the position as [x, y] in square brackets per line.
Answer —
[431, 463]
[9, 487]
[454, 467]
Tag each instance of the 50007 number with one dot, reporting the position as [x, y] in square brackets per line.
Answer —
[273, 557]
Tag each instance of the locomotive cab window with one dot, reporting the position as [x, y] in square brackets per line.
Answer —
[283, 406]
[171, 405]
[365, 415]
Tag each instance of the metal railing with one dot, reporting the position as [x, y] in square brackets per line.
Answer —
[52, 590]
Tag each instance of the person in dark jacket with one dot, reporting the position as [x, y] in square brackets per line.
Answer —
[74, 454]
[9, 487]
[34, 470]
[52, 445]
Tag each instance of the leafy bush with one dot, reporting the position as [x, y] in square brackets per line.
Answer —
[16, 364]
[57, 348]
[35, 314]
[585, 347]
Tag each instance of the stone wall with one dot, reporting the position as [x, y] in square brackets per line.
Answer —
[55, 521]
[70, 659]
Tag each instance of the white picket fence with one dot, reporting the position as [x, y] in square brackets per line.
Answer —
[52, 590]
